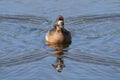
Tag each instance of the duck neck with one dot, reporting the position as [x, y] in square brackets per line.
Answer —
[58, 28]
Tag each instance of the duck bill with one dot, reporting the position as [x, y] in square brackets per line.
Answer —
[61, 23]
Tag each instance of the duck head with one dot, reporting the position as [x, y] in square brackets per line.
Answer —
[59, 23]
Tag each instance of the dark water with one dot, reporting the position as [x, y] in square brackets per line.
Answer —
[94, 53]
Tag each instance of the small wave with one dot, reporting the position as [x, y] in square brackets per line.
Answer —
[22, 59]
[24, 18]
[93, 59]
[92, 18]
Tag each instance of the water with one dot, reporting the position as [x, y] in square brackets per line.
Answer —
[92, 55]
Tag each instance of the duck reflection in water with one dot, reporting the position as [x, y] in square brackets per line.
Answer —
[59, 52]
[58, 38]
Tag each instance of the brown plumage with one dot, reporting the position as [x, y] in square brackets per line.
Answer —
[58, 34]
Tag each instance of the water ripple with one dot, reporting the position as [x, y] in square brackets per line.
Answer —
[22, 59]
[24, 18]
[92, 18]
[93, 59]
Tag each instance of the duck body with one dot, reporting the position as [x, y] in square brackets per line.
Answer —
[58, 34]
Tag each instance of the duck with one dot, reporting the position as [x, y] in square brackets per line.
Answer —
[58, 34]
